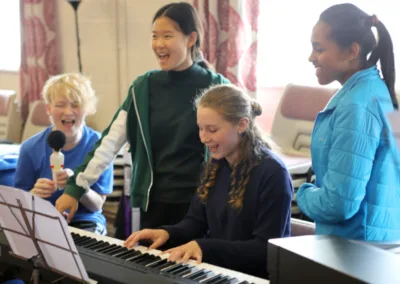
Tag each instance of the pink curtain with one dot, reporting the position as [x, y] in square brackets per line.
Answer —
[230, 45]
[39, 58]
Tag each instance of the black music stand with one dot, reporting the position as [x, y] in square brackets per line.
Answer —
[38, 233]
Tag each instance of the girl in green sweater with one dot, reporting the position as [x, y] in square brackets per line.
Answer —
[158, 120]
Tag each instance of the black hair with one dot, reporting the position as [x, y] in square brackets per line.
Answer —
[350, 24]
[188, 21]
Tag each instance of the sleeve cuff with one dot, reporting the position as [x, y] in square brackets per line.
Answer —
[75, 191]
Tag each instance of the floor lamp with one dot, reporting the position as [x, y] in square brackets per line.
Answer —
[75, 5]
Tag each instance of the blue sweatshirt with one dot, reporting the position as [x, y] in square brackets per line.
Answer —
[34, 163]
[238, 239]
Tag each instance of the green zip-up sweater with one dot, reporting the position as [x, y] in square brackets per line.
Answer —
[129, 124]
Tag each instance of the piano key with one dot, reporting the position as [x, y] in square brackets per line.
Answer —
[121, 252]
[81, 240]
[173, 270]
[150, 259]
[204, 276]
[87, 242]
[170, 268]
[211, 279]
[114, 250]
[107, 248]
[94, 245]
[147, 259]
[166, 265]
[130, 254]
[224, 280]
[103, 246]
[157, 263]
[187, 271]
[195, 274]
[237, 277]
[214, 279]
[126, 254]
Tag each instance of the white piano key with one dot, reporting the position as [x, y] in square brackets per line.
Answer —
[215, 269]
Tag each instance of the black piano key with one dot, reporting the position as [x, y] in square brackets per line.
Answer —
[126, 254]
[115, 250]
[96, 245]
[81, 239]
[183, 268]
[142, 258]
[138, 256]
[157, 263]
[170, 268]
[107, 248]
[88, 242]
[215, 279]
[197, 273]
[150, 259]
[173, 270]
[187, 271]
[233, 281]
[204, 276]
[78, 237]
[103, 246]
[167, 264]
[225, 280]
[130, 254]
[121, 252]
[244, 282]
[75, 236]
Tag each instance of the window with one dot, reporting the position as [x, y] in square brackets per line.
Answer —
[285, 31]
[10, 47]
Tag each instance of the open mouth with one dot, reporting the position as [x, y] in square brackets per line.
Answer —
[213, 148]
[68, 122]
[163, 56]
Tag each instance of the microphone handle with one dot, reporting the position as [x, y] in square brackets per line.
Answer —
[56, 165]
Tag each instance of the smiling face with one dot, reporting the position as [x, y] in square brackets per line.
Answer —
[171, 46]
[332, 63]
[220, 136]
[66, 116]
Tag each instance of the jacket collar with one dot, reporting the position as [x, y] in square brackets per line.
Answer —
[370, 72]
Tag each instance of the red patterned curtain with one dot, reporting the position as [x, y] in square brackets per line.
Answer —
[39, 58]
[231, 31]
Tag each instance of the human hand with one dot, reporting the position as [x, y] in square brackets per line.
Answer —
[66, 202]
[43, 188]
[183, 253]
[158, 237]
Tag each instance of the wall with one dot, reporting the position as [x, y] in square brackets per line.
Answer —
[9, 80]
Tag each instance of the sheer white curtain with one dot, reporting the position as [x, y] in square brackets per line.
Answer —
[285, 31]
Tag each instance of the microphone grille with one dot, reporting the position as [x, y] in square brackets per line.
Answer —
[56, 140]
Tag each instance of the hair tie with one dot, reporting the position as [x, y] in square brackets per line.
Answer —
[374, 20]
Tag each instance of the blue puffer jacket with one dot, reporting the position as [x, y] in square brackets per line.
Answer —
[357, 191]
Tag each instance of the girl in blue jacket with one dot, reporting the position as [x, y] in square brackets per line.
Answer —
[244, 197]
[357, 189]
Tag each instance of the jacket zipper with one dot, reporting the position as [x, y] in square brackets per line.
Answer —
[145, 145]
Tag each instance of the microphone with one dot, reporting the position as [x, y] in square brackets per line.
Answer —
[56, 141]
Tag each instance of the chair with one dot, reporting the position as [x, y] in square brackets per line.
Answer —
[10, 117]
[294, 118]
[37, 120]
[301, 227]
